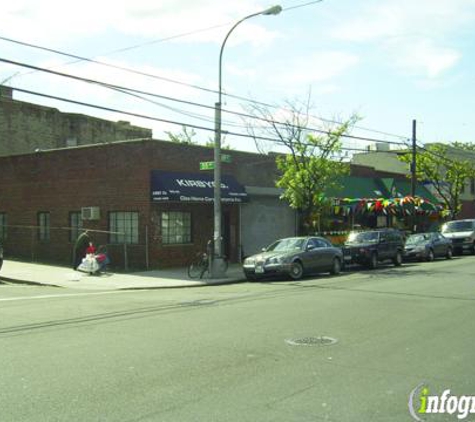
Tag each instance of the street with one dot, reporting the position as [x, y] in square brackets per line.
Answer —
[231, 353]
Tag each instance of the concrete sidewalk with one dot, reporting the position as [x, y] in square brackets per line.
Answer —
[50, 275]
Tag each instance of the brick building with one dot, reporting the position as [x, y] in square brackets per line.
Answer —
[27, 127]
[148, 202]
[127, 188]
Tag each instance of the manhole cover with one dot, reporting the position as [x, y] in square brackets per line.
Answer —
[312, 341]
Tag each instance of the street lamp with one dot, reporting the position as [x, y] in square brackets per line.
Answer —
[217, 267]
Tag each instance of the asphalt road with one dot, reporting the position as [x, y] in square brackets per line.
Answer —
[223, 354]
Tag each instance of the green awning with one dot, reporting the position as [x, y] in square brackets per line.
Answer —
[358, 187]
[403, 188]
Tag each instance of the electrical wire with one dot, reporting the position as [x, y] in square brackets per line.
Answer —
[134, 92]
[157, 119]
[169, 80]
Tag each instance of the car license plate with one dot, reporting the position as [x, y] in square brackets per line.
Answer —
[259, 269]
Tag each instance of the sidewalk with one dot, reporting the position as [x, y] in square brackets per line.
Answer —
[50, 275]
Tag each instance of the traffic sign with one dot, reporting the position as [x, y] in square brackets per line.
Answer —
[207, 165]
[225, 158]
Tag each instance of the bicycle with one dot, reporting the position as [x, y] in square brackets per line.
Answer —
[199, 267]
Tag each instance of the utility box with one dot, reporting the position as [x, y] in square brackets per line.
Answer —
[90, 213]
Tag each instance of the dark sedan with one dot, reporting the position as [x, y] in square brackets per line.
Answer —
[1, 256]
[294, 257]
[427, 246]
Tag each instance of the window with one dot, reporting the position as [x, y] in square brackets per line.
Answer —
[472, 186]
[43, 226]
[462, 188]
[124, 227]
[176, 227]
[3, 225]
[75, 225]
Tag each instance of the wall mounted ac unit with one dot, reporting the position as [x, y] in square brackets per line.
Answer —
[90, 213]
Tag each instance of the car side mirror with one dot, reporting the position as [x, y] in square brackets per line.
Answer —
[264, 250]
[310, 247]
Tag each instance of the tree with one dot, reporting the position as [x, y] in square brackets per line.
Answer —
[312, 162]
[446, 175]
[184, 137]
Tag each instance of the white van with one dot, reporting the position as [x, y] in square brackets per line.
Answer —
[462, 233]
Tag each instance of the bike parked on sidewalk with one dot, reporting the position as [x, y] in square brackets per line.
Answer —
[200, 267]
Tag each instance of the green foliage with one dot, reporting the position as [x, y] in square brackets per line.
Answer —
[224, 145]
[309, 171]
[447, 175]
[184, 137]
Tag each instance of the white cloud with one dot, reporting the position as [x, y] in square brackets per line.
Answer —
[60, 21]
[318, 67]
[426, 59]
[416, 35]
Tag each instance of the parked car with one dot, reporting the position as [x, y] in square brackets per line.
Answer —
[462, 234]
[1, 256]
[294, 257]
[369, 248]
[427, 246]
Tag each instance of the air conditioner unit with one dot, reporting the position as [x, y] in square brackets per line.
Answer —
[90, 213]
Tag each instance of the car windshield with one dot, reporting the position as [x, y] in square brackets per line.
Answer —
[363, 237]
[457, 226]
[417, 239]
[289, 244]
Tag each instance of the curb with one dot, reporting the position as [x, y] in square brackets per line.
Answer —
[27, 282]
[217, 283]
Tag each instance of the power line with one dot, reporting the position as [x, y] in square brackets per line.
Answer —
[130, 70]
[147, 117]
[134, 92]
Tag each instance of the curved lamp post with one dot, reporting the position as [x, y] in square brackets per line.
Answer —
[217, 267]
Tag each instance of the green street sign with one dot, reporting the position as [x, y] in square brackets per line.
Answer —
[207, 165]
[225, 158]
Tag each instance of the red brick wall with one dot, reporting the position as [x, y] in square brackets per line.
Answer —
[468, 210]
[113, 177]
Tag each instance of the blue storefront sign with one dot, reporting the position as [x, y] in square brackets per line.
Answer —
[193, 187]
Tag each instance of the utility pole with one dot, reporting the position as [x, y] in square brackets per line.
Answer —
[413, 174]
[413, 164]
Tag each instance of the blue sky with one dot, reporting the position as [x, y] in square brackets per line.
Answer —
[388, 61]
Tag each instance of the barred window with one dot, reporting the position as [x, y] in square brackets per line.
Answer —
[75, 225]
[44, 226]
[176, 227]
[124, 227]
[3, 225]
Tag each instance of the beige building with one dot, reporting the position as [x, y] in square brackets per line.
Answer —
[384, 159]
[27, 127]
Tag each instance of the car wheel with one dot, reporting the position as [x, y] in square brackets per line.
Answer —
[398, 259]
[430, 255]
[336, 268]
[373, 261]
[449, 253]
[296, 270]
[251, 277]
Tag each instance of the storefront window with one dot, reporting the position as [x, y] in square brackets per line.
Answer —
[124, 227]
[75, 225]
[176, 227]
[43, 226]
[3, 225]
